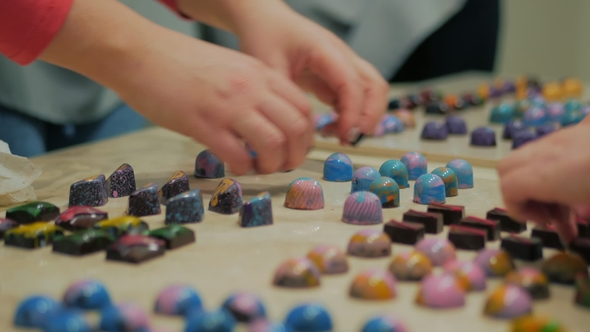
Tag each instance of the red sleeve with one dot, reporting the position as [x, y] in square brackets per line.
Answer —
[28, 26]
[174, 7]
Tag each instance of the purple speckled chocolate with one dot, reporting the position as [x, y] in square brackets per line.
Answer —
[122, 182]
[227, 198]
[441, 291]
[176, 185]
[362, 208]
[522, 137]
[89, 192]
[456, 125]
[435, 131]
[208, 166]
[483, 136]
[438, 250]
[512, 127]
[144, 201]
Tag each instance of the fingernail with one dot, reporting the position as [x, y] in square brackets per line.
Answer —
[291, 170]
[353, 134]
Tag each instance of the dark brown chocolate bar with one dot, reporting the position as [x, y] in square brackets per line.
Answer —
[433, 222]
[492, 227]
[452, 214]
[507, 224]
[404, 232]
[467, 238]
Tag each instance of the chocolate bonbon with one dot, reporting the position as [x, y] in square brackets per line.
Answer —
[68, 320]
[227, 198]
[329, 259]
[410, 266]
[502, 113]
[309, 317]
[83, 242]
[396, 170]
[373, 284]
[35, 311]
[178, 300]
[338, 168]
[495, 262]
[363, 177]
[531, 323]
[532, 280]
[523, 248]
[91, 191]
[210, 321]
[122, 225]
[404, 232]
[121, 182]
[5, 225]
[512, 128]
[435, 131]
[176, 185]
[387, 190]
[87, 295]
[483, 136]
[208, 166]
[245, 307]
[450, 180]
[467, 238]
[492, 227]
[456, 125]
[429, 188]
[441, 291]
[297, 272]
[392, 124]
[507, 302]
[548, 236]
[135, 249]
[451, 214]
[535, 116]
[369, 243]
[185, 208]
[80, 218]
[507, 224]
[174, 236]
[433, 222]
[362, 208]
[144, 201]
[32, 236]
[522, 137]
[463, 171]
[32, 212]
[384, 323]
[416, 164]
[473, 273]
[305, 194]
[438, 250]
[257, 211]
[563, 267]
[123, 317]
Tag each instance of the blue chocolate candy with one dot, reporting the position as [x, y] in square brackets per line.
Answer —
[263, 325]
[362, 178]
[245, 307]
[396, 170]
[535, 116]
[87, 294]
[68, 321]
[123, 317]
[415, 163]
[338, 168]
[387, 190]
[572, 118]
[185, 208]
[392, 124]
[178, 300]
[502, 113]
[35, 311]
[463, 171]
[208, 166]
[483, 136]
[384, 323]
[572, 105]
[212, 321]
[522, 137]
[456, 125]
[512, 127]
[257, 211]
[435, 131]
[429, 188]
[309, 317]
[555, 111]
[450, 179]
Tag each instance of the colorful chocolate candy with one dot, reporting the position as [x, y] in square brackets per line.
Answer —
[33, 235]
[415, 163]
[483, 136]
[68, 320]
[473, 273]
[174, 236]
[387, 190]
[582, 297]
[35, 311]
[245, 307]
[144, 201]
[563, 267]
[507, 224]
[456, 125]
[532, 323]
[373, 284]
[362, 208]
[122, 225]
[329, 259]
[91, 191]
[450, 180]
[410, 266]
[178, 300]
[257, 211]
[508, 302]
[532, 280]
[495, 262]
[80, 218]
[123, 317]
[208, 166]
[463, 171]
[305, 194]
[83, 242]
[396, 170]
[438, 250]
[527, 249]
[433, 222]
[227, 198]
[210, 321]
[404, 232]
[87, 295]
[502, 113]
[338, 168]
[309, 317]
[121, 182]
[429, 188]
[441, 291]
[362, 178]
[185, 208]
[434, 131]
[135, 249]
[5, 225]
[451, 214]
[384, 323]
[297, 273]
[369, 243]
[176, 185]
[32, 212]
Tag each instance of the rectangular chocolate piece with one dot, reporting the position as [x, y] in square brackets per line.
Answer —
[507, 224]
[582, 247]
[433, 222]
[583, 228]
[404, 232]
[83, 242]
[492, 227]
[548, 236]
[523, 248]
[451, 213]
[467, 238]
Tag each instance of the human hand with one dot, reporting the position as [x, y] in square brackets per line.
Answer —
[319, 62]
[547, 181]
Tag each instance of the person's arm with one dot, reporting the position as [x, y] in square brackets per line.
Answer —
[28, 26]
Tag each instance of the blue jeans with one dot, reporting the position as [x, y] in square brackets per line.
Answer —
[30, 137]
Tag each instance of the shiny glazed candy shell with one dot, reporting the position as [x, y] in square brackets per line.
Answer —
[245, 307]
[387, 190]
[450, 180]
[438, 250]
[384, 323]
[369, 243]
[227, 198]
[305, 194]
[531, 323]
[297, 273]
[309, 317]
[441, 291]
[495, 262]
[338, 168]
[410, 266]
[415, 163]
[87, 294]
[123, 317]
[474, 275]
[362, 208]
[429, 188]
[363, 177]
[210, 321]
[463, 171]
[373, 284]
[508, 301]
[563, 268]
[396, 170]
[329, 259]
[35, 311]
[178, 300]
[208, 166]
[530, 279]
